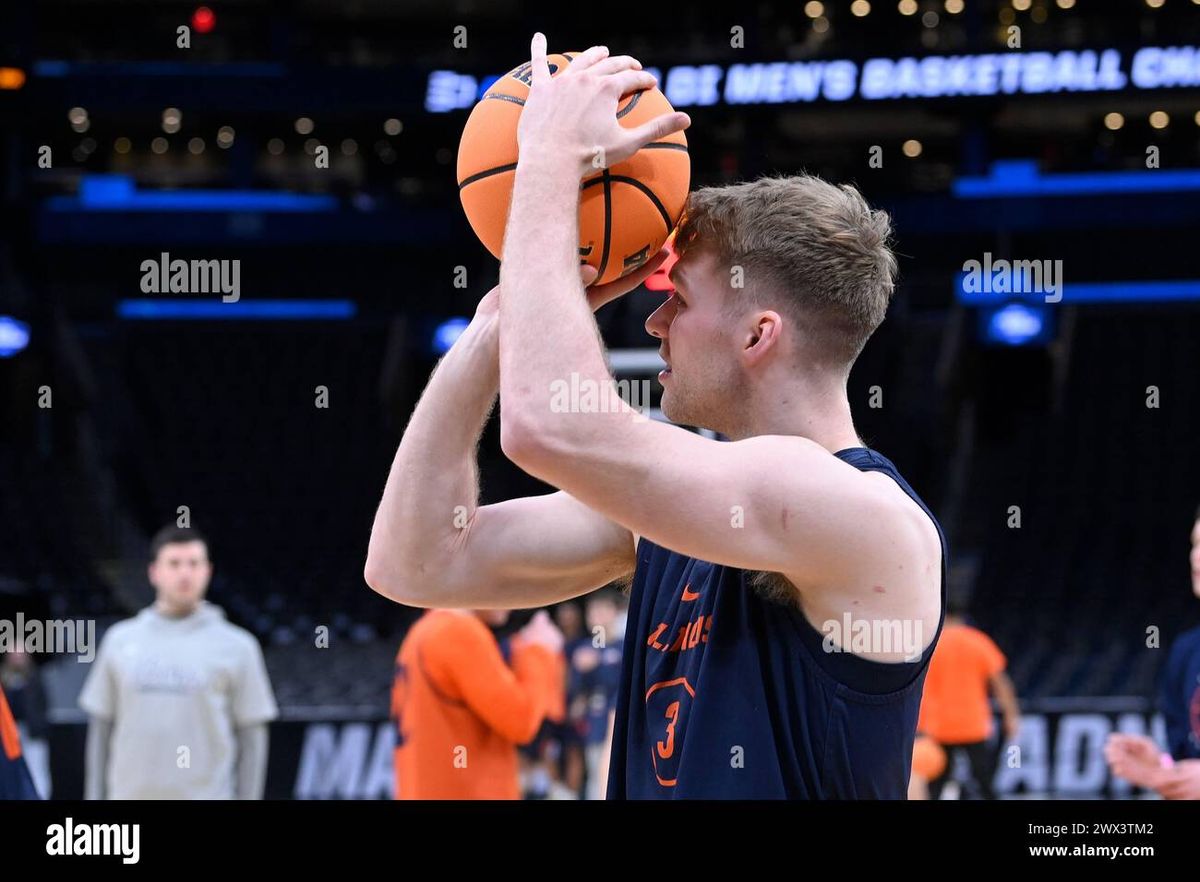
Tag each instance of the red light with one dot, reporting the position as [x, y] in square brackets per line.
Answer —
[203, 20]
[659, 280]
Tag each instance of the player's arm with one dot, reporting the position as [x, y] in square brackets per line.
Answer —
[773, 503]
[1006, 696]
[99, 737]
[511, 701]
[251, 775]
[433, 545]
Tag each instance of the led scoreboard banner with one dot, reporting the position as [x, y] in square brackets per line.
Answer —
[883, 79]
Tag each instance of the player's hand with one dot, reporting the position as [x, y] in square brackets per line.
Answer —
[542, 631]
[1135, 758]
[597, 295]
[1181, 782]
[573, 117]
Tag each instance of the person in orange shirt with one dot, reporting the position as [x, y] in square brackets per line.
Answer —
[955, 710]
[540, 759]
[461, 709]
[15, 780]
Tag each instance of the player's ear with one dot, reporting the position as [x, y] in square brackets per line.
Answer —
[763, 335]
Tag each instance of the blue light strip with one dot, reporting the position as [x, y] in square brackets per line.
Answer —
[207, 310]
[1021, 177]
[53, 67]
[1171, 291]
[100, 193]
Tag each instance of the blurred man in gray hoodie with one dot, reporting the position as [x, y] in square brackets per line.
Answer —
[178, 697]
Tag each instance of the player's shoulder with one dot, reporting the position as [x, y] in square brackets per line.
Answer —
[240, 638]
[977, 637]
[898, 517]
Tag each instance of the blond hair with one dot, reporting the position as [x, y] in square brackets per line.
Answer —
[805, 243]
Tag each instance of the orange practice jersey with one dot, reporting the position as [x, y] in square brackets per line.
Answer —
[955, 707]
[15, 782]
[9, 739]
[461, 711]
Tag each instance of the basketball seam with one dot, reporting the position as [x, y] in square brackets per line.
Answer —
[502, 97]
[607, 224]
[634, 182]
[665, 145]
[637, 96]
[500, 169]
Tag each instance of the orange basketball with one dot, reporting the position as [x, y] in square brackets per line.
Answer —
[626, 212]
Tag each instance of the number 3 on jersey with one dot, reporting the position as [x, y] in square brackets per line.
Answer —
[669, 703]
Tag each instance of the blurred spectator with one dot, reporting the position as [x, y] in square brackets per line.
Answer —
[569, 616]
[22, 682]
[461, 708]
[955, 707]
[553, 762]
[15, 780]
[595, 672]
[178, 697]
[1174, 774]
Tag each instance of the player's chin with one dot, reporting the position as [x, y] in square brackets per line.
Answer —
[670, 407]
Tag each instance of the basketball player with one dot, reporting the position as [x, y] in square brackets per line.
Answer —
[749, 557]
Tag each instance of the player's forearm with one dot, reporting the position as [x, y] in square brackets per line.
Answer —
[432, 489]
[547, 329]
[1006, 697]
[96, 762]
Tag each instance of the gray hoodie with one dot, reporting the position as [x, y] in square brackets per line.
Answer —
[176, 691]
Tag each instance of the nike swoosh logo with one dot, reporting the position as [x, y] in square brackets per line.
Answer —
[688, 594]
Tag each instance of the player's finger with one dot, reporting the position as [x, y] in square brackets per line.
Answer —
[615, 64]
[588, 274]
[537, 55]
[626, 81]
[598, 295]
[587, 58]
[646, 270]
[656, 129]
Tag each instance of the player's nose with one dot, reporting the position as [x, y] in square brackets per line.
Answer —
[659, 321]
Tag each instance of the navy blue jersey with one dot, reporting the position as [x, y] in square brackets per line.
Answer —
[727, 694]
[1179, 696]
